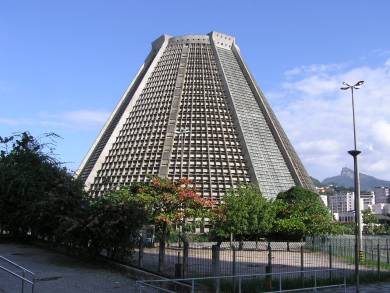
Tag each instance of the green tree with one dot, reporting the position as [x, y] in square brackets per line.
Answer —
[299, 212]
[110, 222]
[41, 199]
[243, 214]
[370, 221]
[35, 190]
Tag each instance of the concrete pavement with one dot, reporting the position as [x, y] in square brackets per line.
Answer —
[59, 274]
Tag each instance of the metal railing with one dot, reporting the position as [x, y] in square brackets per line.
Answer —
[190, 283]
[25, 273]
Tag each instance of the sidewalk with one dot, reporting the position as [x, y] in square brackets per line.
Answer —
[57, 273]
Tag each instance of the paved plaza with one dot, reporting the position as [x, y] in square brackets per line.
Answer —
[59, 274]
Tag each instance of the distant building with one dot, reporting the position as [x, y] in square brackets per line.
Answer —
[320, 190]
[346, 217]
[324, 199]
[382, 212]
[341, 203]
[367, 199]
[382, 194]
[380, 209]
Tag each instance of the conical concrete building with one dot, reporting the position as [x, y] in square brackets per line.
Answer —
[194, 110]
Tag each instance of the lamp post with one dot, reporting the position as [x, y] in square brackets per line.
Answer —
[354, 153]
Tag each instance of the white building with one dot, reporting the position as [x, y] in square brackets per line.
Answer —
[343, 205]
[324, 199]
[380, 208]
[346, 217]
[367, 199]
[382, 194]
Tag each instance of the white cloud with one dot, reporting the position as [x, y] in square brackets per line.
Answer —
[5, 86]
[381, 131]
[313, 68]
[71, 119]
[91, 117]
[313, 85]
[5, 121]
[74, 119]
[317, 117]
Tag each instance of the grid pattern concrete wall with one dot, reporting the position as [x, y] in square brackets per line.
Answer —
[108, 130]
[198, 86]
[137, 150]
[270, 167]
[212, 154]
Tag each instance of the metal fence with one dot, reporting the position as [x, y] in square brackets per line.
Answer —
[25, 276]
[270, 282]
[242, 258]
[375, 257]
[230, 259]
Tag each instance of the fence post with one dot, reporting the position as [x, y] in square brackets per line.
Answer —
[330, 261]
[24, 275]
[302, 267]
[215, 265]
[365, 249]
[349, 246]
[178, 266]
[268, 268]
[141, 253]
[288, 245]
[234, 261]
[234, 267]
[185, 257]
[161, 255]
[379, 259]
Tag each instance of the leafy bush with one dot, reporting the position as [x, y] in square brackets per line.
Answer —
[295, 213]
[243, 213]
[35, 190]
[41, 199]
[299, 212]
[110, 222]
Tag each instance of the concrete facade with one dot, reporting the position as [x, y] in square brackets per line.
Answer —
[197, 83]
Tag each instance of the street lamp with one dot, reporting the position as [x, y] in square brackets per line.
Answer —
[354, 153]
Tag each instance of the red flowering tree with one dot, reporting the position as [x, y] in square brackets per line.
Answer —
[172, 204]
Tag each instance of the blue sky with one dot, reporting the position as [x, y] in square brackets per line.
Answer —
[64, 66]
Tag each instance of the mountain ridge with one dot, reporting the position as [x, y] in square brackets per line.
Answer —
[367, 182]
